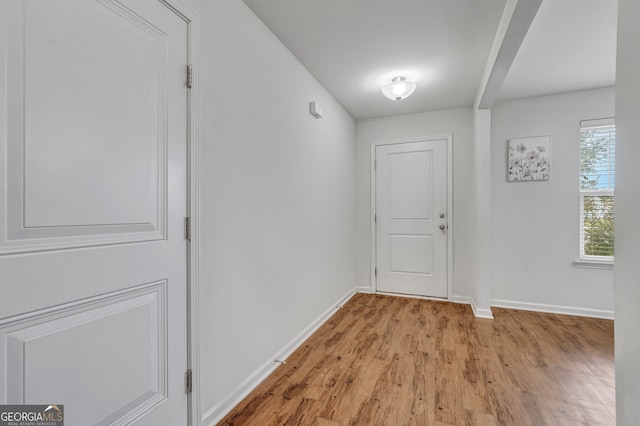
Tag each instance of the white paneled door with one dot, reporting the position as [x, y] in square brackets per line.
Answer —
[93, 256]
[411, 218]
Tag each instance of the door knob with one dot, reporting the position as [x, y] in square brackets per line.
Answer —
[442, 227]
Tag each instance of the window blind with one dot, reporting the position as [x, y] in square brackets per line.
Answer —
[597, 184]
[597, 154]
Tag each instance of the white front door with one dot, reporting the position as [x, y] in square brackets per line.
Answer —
[411, 218]
[93, 258]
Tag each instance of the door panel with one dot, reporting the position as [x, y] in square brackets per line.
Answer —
[119, 333]
[411, 254]
[411, 195]
[93, 260]
[410, 185]
[117, 141]
[66, 64]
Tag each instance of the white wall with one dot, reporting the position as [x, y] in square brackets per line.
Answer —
[278, 246]
[277, 200]
[481, 195]
[627, 238]
[535, 225]
[457, 122]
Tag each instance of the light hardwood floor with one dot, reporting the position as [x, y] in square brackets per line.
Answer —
[393, 361]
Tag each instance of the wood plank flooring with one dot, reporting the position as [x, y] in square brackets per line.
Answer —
[390, 361]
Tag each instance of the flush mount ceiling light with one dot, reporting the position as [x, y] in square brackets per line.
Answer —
[398, 89]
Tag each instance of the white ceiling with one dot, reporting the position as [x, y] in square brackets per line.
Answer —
[571, 45]
[353, 46]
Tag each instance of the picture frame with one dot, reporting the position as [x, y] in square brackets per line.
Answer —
[529, 159]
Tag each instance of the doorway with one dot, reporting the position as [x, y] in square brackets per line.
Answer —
[412, 226]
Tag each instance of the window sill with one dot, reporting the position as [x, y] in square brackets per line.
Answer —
[593, 263]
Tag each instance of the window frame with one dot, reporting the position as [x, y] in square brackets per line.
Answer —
[584, 260]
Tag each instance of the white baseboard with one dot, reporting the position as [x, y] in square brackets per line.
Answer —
[552, 309]
[362, 289]
[484, 313]
[478, 312]
[218, 411]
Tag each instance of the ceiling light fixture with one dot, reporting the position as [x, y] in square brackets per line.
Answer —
[398, 89]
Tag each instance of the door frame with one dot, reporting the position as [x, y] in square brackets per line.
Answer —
[185, 10]
[373, 230]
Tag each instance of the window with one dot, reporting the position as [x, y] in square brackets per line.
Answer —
[597, 184]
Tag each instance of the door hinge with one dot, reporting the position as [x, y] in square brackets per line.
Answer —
[375, 272]
[189, 76]
[187, 228]
[375, 218]
[188, 381]
[375, 164]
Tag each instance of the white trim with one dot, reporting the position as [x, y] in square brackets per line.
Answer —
[598, 192]
[478, 313]
[552, 309]
[362, 289]
[185, 9]
[450, 227]
[597, 122]
[484, 313]
[595, 263]
[465, 300]
[586, 261]
[217, 412]
[450, 219]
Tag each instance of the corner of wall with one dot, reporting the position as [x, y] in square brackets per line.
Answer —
[477, 312]
[484, 313]
[216, 413]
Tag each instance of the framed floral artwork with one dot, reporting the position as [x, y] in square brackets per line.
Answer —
[528, 159]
